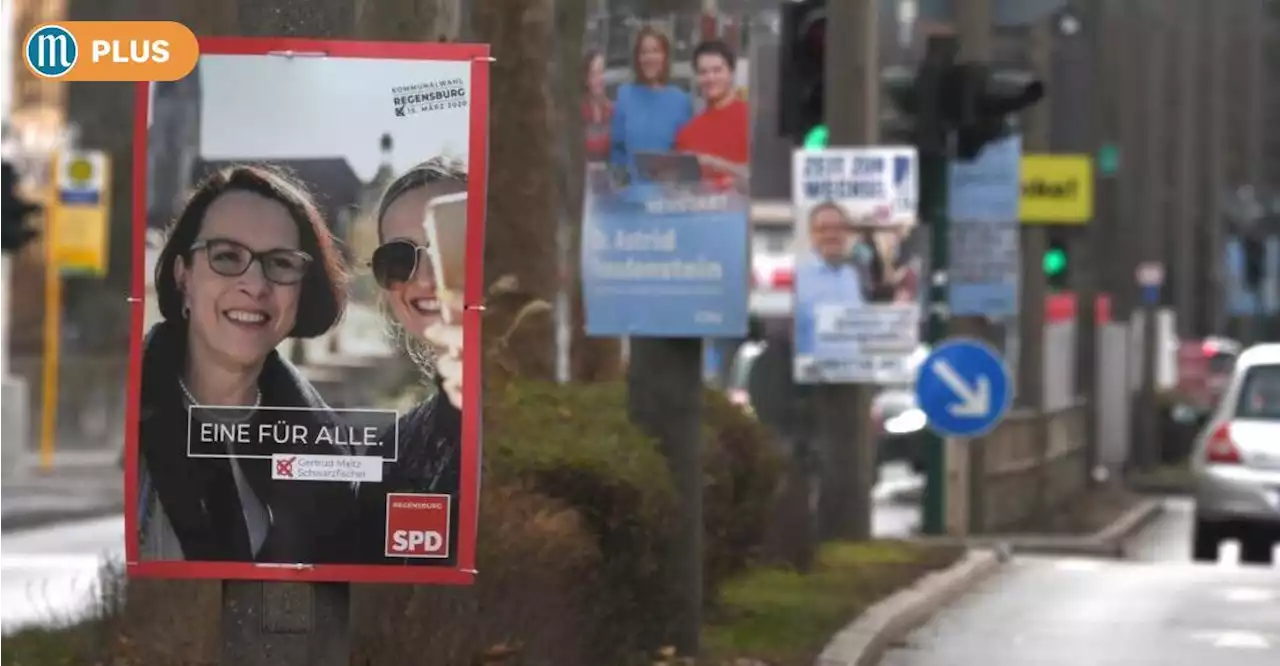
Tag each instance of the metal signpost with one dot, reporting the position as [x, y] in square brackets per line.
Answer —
[1150, 278]
[963, 388]
[75, 242]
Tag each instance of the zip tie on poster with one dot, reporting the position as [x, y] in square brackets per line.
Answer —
[133, 299]
[284, 565]
[477, 307]
[484, 59]
[291, 54]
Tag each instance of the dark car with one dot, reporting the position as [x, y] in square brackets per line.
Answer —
[898, 422]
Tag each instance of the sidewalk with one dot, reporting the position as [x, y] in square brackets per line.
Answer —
[80, 485]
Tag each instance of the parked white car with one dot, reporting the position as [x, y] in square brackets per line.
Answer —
[1236, 462]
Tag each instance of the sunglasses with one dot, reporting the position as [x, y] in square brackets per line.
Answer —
[395, 262]
[231, 259]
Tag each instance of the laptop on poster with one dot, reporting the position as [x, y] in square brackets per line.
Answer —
[672, 168]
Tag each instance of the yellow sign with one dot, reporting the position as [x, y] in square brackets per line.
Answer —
[79, 215]
[1056, 189]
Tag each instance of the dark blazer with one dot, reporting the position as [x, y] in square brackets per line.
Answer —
[197, 494]
[429, 461]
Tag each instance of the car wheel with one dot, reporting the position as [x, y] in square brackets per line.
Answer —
[1257, 547]
[1205, 538]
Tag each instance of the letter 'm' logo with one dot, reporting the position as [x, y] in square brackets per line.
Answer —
[51, 51]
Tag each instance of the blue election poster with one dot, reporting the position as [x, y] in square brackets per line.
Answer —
[984, 248]
[665, 256]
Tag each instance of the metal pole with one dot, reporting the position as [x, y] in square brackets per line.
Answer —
[965, 459]
[852, 115]
[50, 360]
[1214, 91]
[1186, 266]
[5, 313]
[1033, 240]
[934, 160]
[1151, 243]
[933, 212]
[1091, 282]
[664, 395]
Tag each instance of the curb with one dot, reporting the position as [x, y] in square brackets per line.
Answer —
[864, 641]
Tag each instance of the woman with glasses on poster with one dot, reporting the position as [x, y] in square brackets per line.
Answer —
[248, 263]
[420, 266]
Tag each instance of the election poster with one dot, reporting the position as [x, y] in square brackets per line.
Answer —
[305, 371]
[858, 266]
[665, 230]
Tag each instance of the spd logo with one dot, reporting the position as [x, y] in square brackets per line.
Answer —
[417, 525]
[111, 51]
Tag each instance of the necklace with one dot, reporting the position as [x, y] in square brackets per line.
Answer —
[191, 400]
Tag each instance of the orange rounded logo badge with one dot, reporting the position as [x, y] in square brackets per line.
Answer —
[111, 51]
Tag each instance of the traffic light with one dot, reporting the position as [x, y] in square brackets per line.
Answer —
[1254, 250]
[16, 211]
[945, 98]
[1057, 263]
[817, 138]
[802, 72]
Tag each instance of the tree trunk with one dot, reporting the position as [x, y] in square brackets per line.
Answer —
[522, 205]
[591, 359]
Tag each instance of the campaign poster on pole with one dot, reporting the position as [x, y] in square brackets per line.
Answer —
[858, 271]
[665, 230]
[304, 389]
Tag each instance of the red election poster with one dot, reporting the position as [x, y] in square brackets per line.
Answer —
[304, 389]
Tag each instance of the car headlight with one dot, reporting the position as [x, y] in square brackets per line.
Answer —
[906, 422]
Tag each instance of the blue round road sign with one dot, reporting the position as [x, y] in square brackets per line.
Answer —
[963, 388]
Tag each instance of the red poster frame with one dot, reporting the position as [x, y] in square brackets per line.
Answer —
[463, 572]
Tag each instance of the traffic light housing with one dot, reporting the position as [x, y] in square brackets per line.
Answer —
[1254, 250]
[802, 72]
[17, 232]
[944, 98]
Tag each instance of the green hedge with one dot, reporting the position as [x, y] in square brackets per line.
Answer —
[574, 443]
[576, 506]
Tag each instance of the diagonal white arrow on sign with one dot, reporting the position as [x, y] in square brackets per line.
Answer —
[975, 401]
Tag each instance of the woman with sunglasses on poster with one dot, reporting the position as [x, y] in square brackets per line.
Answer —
[248, 263]
[427, 320]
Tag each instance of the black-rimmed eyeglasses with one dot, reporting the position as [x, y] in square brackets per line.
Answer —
[231, 259]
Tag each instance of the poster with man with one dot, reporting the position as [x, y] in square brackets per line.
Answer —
[857, 280]
[305, 385]
[665, 238]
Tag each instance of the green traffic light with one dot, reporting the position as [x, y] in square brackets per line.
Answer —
[817, 138]
[1055, 262]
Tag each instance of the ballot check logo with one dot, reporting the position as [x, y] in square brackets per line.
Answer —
[417, 525]
[284, 466]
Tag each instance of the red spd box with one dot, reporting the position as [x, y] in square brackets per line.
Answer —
[417, 525]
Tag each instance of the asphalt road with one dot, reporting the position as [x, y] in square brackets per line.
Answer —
[1156, 609]
[50, 574]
